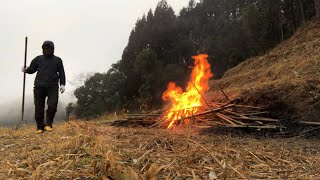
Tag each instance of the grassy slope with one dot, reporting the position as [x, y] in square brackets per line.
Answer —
[286, 80]
[89, 149]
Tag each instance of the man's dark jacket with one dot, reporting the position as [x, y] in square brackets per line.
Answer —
[50, 71]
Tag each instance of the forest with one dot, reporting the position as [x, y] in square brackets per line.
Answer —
[161, 45]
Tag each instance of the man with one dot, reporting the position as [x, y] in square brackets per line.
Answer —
[50, 73]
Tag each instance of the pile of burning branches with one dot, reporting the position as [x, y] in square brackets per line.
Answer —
[227, 115]
[190, 108]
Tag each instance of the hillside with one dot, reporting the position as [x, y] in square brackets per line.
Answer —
[285, 80]
[93, 150]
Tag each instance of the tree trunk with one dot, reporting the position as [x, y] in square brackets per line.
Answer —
[303, 20]
[274, 8]
[276, 14]
[293, 16]
[317, 5]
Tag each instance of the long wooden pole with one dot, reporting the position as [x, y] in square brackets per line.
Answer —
[24, 79]
[201, 95]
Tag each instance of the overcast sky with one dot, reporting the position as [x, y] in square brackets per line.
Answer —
[89, 35]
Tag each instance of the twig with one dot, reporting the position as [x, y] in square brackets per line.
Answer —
[254, 156]
[235, 170]
[214, 157]
[305, 132]
[170, 164]
[222, 92]
[136, 161]
[145, 165]
[225, 95]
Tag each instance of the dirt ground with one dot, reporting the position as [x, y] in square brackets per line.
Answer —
[93, 150]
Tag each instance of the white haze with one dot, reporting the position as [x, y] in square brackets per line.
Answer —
[89, 36]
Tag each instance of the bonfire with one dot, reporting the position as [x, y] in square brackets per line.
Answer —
[184, 104]
[190, 107]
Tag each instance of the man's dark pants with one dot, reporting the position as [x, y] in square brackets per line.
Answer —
[40, 95]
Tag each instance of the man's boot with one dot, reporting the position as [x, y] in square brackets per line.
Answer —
[48, 128]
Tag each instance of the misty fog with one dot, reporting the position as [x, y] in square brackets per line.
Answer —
[10, 112]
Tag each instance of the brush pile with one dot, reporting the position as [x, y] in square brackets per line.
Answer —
[228, 115]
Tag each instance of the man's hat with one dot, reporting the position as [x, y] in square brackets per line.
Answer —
[48, 44]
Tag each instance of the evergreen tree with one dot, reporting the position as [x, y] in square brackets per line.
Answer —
[161, 44]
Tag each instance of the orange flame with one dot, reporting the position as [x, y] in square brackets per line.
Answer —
[185, 104]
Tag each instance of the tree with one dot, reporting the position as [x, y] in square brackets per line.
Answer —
[164, 31]
[70, 109]
[317, 6]
[301, 10]
[149, 69]
[91, 96]
[161, 44]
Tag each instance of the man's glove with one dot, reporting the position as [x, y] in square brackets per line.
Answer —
[24, 69]
[62, 89]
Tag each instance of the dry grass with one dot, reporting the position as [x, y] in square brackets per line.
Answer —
[288, 75]
[80, 150]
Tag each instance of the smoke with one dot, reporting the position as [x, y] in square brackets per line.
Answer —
[10, 112]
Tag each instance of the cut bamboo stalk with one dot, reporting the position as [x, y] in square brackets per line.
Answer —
[239, 122]
[247, 106]
[143, 115]
[256, 119]
[225, 119]
[159, 123]
[310, 123]
[231, 119]
[204, 113]
[214, 110]
[251, 126]
[256, 113]
[234, 113]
